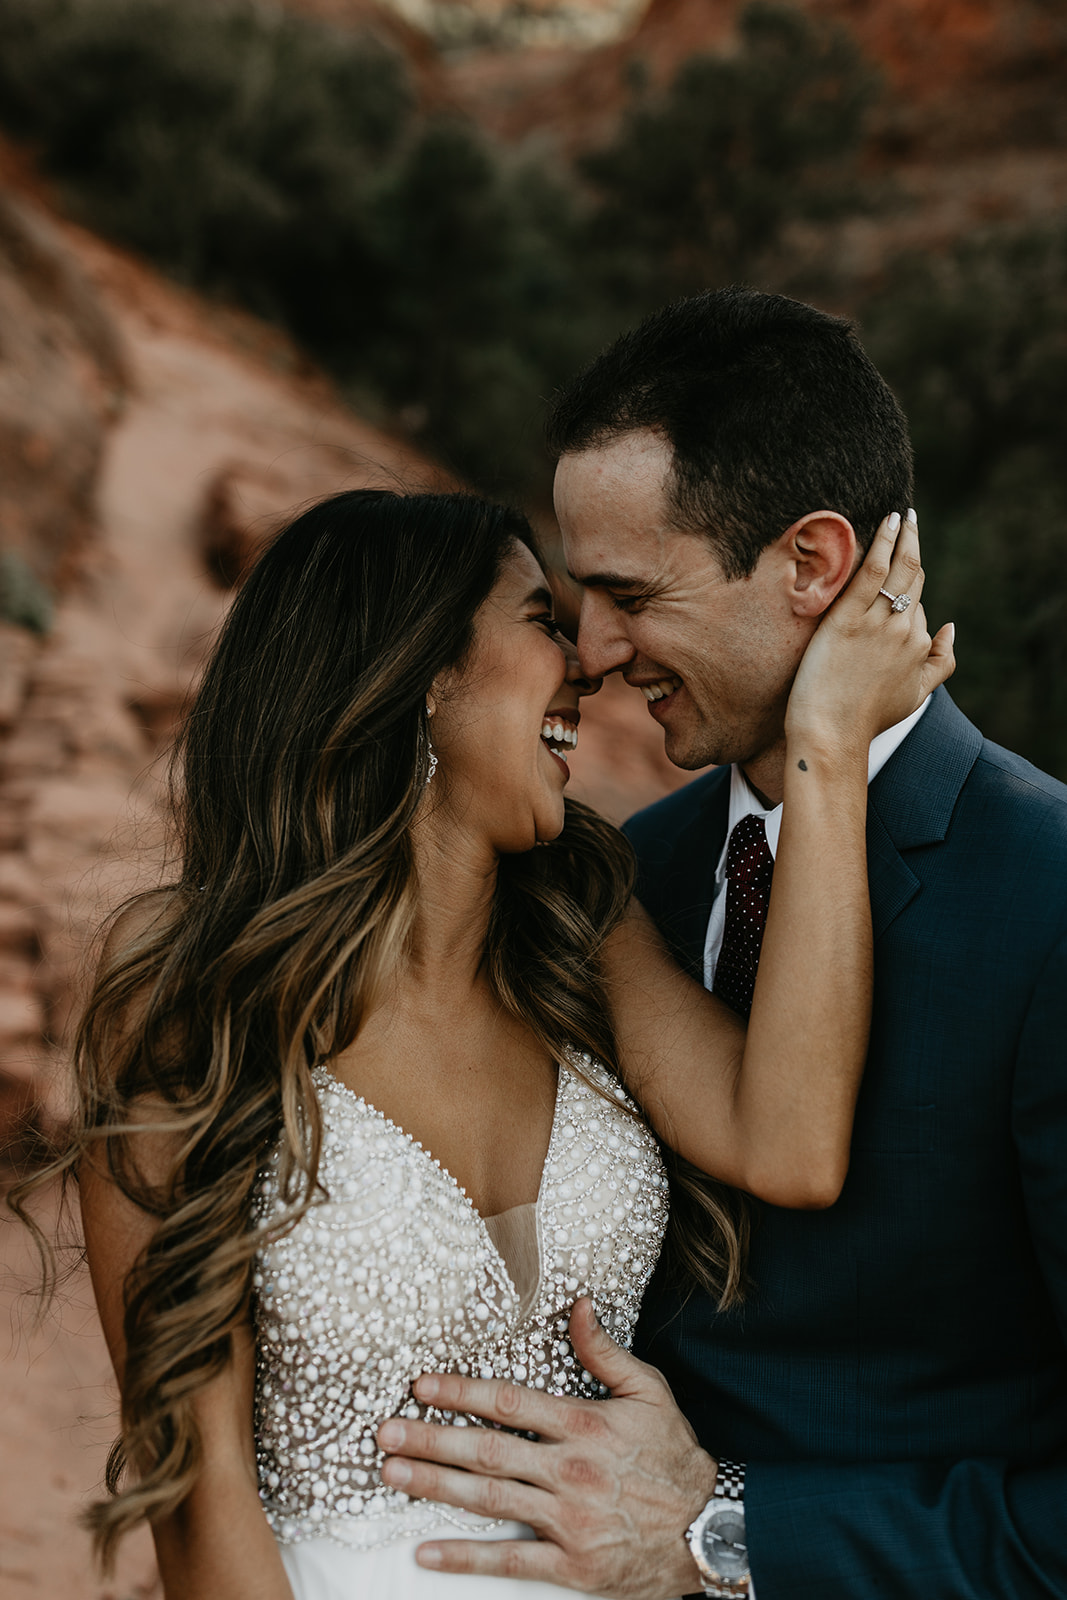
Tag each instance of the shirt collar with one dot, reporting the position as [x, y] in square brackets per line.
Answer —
[744, 803]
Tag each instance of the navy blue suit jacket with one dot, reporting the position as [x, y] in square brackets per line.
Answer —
[897, 1379]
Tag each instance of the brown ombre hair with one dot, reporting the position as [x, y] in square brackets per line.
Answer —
[296, 779]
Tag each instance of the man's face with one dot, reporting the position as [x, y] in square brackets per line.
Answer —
[714, 658]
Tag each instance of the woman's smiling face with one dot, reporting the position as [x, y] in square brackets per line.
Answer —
[505, 722]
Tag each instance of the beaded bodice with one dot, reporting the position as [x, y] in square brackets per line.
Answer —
[394, 1273]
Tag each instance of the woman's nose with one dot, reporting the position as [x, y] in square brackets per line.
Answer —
[575, 676]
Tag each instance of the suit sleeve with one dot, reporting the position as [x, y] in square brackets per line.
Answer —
[956, 1530]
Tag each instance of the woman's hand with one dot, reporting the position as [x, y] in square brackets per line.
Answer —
[868, 666]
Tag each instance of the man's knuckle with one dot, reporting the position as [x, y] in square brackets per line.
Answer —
[587, 1423]
[492, 1497]
[509, 1399]
[581, 1472]
[513, 1563]
[491, 1449]
[455, 1393]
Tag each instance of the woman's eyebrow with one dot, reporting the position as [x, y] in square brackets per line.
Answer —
[539, 597]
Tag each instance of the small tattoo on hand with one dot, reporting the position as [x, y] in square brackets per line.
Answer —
[803, 765]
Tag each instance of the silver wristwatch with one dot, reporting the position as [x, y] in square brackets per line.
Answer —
[717, 1537]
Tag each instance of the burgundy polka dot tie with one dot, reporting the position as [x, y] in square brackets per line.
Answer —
[749, 867]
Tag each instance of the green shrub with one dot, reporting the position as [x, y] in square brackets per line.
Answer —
[234, 145]
[266, 157]
[24, 599]
[975, 342]
[269, 158]
[485, 310]
[702, 179]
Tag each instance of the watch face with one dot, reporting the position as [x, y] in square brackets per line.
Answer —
[723, 1542]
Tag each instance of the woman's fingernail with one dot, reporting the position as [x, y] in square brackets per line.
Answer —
[426, 1388]
[912, 517]
[396, 1472]
[428, 1555]
[391, 1434]
[952, 632]
[894, 521]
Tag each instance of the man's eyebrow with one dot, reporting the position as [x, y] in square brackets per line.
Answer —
[606, 580]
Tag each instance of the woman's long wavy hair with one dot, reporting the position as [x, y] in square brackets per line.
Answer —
[297, 777]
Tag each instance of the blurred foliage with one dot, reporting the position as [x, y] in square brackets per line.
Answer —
[276, 160]
[273, 159]
[482, 312]
[211, 137]
[703, 178]
[975, 343]
[24, 599]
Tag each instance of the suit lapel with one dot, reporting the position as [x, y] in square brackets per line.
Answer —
[892, 881]
[911, 802]
[697, 851]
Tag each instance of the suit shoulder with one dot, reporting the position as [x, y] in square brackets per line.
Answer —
[1028, 797]
[664, 820]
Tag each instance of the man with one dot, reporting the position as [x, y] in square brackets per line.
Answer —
[895, 1379]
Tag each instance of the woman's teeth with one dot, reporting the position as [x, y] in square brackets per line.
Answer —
[660, 690]
[559, 736]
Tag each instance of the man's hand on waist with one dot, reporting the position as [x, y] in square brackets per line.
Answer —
[609, 1487]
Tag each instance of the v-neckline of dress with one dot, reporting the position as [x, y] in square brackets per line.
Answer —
[322, 1074]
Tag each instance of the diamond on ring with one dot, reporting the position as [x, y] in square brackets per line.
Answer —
[897, 602]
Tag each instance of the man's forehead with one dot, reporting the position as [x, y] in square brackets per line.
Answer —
[635, 462]
[613, 510]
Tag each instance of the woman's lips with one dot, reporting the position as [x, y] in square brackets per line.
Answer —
[560, 762]
[559, 735]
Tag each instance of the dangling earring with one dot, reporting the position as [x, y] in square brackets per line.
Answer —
[430, 751]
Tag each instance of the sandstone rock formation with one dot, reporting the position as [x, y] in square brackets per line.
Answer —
[512, 24]
[139, 441]
[158, 445]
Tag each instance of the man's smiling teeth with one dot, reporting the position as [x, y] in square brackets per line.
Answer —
[559, 734]
[660, 690]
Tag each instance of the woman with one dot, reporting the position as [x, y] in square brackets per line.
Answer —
[368, 988]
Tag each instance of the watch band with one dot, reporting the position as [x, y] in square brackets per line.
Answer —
[730, 1481]
[716, 1537]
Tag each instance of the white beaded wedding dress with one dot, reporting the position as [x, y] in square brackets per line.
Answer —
[395, 1274]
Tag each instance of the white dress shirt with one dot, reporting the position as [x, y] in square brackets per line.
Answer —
[744, 803]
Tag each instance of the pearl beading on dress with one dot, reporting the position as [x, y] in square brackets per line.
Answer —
[394, 1274]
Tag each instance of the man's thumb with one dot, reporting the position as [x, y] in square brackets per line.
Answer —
[616, 1368]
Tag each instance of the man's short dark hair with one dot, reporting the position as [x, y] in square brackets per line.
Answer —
[772, 409]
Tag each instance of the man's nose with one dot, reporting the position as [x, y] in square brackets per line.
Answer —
[603, 646]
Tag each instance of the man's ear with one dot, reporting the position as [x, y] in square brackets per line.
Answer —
[823, 553]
